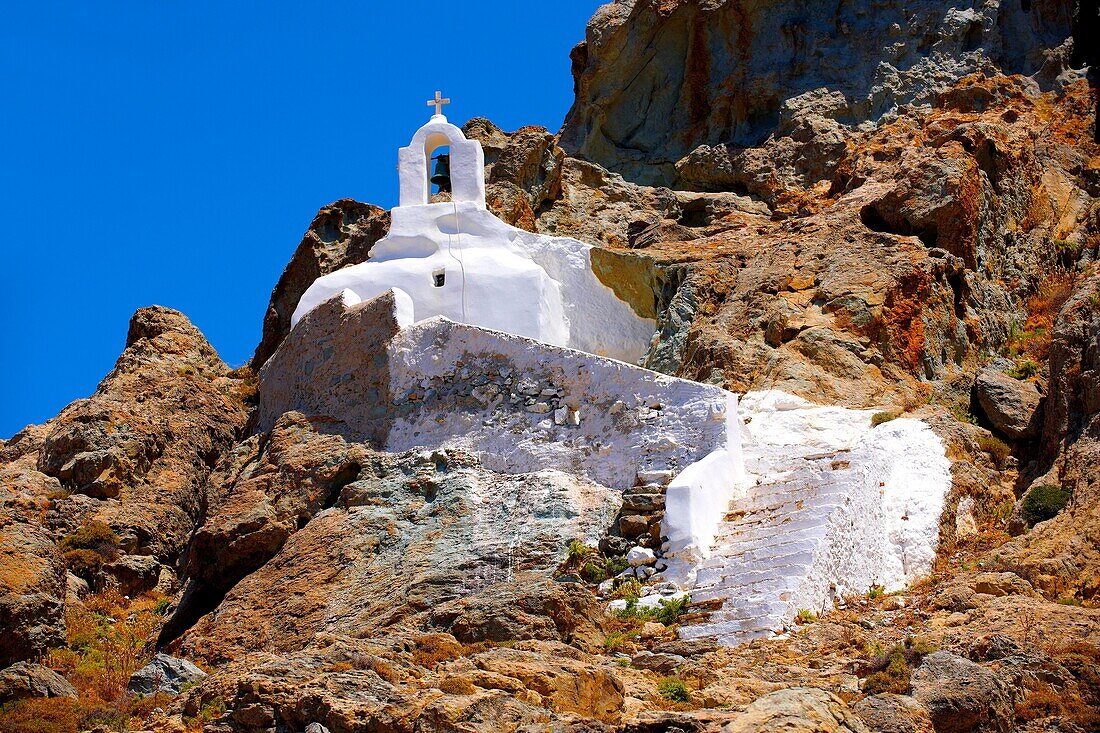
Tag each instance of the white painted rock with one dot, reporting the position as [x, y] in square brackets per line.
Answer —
[638, 556]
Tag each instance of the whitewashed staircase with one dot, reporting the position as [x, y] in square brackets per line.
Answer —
[766, 547]
[763, 558]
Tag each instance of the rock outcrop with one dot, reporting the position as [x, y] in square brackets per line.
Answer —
[655, 80]
[32, 592]
[341, 234]
[164, 674]
[137, 454]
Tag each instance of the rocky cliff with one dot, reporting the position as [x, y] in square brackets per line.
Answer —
[889, 206]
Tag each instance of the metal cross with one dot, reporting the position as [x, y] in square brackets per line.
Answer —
[438, 103]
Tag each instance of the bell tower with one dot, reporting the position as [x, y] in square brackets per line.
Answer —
[467, 162]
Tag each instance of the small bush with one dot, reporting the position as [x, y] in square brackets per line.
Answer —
[963, 414]
[615, 565]
[629, 589]
[59, 715]
[435, 648]
[578, 553]
[995, 448]
[1046, 702]
[673, 689]
[83, 563]
[805, 616]
[892, 677]
[1043, 502]
[92, 536]
[891, 672]
[875, 592]
[1024, 369]
[615, 641]
[594, 572]
[212, 710]
[883, 417]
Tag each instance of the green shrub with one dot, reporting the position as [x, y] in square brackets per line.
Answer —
[670, 611]
[615, 565]
[875, 592]
[92, 536]
[615, 641]
[673, 689]
[882, 417]
[890, 672]
[1024, 369]
[1043, 502]
[578, 553]
[593, 571]
[996, 448]
[963, 414]
[805, 616]
[892, 677]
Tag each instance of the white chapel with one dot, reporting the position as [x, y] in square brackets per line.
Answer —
[456, 259]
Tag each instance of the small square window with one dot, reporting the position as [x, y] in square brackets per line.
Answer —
[439, 278]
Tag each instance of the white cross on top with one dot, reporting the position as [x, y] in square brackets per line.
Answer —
[438, 103]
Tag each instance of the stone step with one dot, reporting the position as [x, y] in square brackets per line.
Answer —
[749, 555]
[779, 578]
[727, 634]
[731, 541]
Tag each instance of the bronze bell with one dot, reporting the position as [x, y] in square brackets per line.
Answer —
[442, 175]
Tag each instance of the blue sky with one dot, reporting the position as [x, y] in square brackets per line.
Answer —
[174, 152]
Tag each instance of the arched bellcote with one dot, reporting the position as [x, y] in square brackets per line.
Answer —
[467, 164]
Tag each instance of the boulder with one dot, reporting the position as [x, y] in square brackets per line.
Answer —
[164, 674]
[1001, 584]
[962, 696]
[316, 728]
[23, 680]
[890, 713]
[132, 575]
[638, 556]
[797, 710]
[633, 525]
[657, 662]
[1012, 405]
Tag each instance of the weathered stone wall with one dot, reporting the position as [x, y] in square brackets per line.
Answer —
[519, 404]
